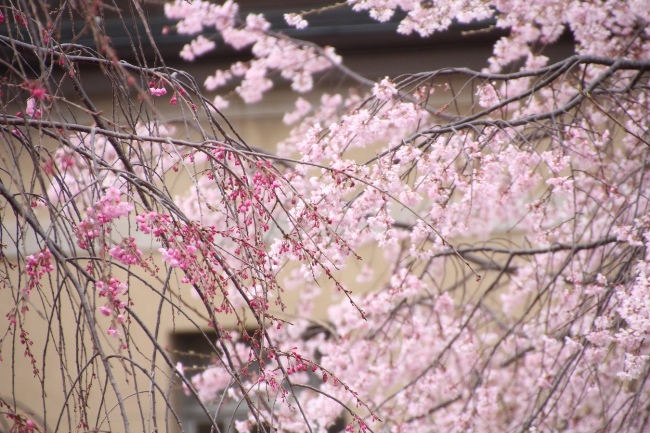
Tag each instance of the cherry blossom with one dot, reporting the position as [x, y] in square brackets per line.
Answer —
[448, 250]
[196, 48]
[296, 20]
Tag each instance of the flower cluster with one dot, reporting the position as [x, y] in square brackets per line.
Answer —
[126, 252]
[40, 264]
[20, 423]
[295, 62]
[197, 48]
[112, 289]
[99, 217]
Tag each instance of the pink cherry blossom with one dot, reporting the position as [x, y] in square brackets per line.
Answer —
[196, 48]
[446, 250]
[158, 91]
[296, 20]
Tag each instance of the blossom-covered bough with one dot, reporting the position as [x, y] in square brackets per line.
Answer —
[496, 224]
